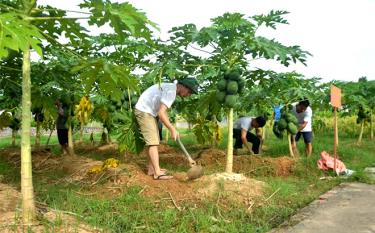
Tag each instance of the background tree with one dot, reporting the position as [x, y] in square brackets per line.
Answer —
[359, 99]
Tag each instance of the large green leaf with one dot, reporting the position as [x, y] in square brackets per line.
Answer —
[123, 17]
[18, 34]
[111, 79]
[129, 136]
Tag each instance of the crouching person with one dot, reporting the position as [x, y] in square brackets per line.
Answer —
[242, 134]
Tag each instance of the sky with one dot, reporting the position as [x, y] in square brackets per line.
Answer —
[339, 34]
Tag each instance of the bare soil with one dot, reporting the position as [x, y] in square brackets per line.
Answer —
[280, 166]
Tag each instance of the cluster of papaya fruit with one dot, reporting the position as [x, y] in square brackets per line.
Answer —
[287, 122]
[229, 87]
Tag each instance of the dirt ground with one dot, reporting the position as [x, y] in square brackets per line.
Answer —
[281, 166]
[225, 189]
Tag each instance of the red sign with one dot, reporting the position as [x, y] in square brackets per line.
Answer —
[335, 96]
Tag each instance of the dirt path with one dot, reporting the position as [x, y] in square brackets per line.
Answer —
[349, 207]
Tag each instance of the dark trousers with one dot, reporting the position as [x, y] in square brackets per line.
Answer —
[250, 138]
[62, 136]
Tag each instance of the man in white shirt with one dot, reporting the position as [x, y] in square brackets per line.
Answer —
[303, 112]
[154, 103]
[242, 134]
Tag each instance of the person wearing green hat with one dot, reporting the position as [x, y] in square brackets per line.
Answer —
[152, 104]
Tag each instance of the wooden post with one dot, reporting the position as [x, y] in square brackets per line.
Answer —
[335, 140]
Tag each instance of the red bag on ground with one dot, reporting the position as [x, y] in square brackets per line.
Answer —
[326, 161]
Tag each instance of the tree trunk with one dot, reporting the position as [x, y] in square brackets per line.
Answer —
[264, 133]
[37, 134]
[361, 133]
[109, 138]
[70, 140]
[28, 204]
[290, 143]
[371, 126]
[229, 165]
[14, 135]
[81, 134]
[166, 136]
[92, 138]
[49, 137]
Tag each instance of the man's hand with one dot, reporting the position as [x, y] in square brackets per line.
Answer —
[174, 133]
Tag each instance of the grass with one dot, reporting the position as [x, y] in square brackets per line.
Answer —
[131, 212]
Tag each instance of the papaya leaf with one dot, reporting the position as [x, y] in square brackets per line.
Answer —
[129, 137]
[18, 34]
[123, 17]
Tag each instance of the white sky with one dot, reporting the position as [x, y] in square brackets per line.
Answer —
[339, 33]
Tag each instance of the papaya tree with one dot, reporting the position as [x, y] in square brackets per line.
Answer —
[24, 25]
[231, 43]
[283, 89]
[359, 99]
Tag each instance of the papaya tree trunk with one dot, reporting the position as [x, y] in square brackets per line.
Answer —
[49, 137]
[166, 136]
[14, 135]
[92, 138]
[28, 204]
[264, 133]
[229, 165]
[361, 132]
[109, 138]
[70, 140]
[371, 126]
[291, 145]
[81, 133]
[37, 134]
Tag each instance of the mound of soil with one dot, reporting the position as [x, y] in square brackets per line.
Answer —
[231, 188]
[230, 191]
[280, 166]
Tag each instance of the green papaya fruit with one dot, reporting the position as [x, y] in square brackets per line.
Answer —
[292, 128]
[222, 85]
[230, 100]
[232, 88]
[220, 96]
[282, 124]
[290, 117]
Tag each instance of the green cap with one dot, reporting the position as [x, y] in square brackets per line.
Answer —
[190, 83]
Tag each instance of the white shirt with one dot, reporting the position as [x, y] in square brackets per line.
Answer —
[154, 96]
[304, 116]
[243, 123]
